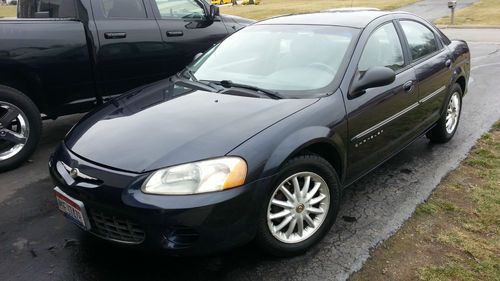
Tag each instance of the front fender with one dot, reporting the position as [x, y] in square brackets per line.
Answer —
[301, 140]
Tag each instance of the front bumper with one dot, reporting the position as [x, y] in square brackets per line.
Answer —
[182, 225]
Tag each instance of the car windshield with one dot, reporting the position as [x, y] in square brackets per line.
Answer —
[297, 61]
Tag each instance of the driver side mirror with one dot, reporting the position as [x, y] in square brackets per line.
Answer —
[213, 12]
[376, 76]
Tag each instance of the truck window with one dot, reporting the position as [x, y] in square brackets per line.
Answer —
[180, 9]
[47, 9]
[134, 9]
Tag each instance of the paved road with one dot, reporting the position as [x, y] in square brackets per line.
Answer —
[38, 244]
[434, 9]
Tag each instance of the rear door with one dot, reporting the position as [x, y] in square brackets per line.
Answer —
[131, 50]
[381, 120]
[432, 63]
[186, 30]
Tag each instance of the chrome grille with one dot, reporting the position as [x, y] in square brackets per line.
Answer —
[114, 228]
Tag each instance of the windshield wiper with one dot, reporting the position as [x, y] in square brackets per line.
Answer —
[269, 93]
[190, 74]
[194, 84]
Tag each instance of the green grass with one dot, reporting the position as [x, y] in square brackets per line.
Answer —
[270, 8]
[8, 11]
[455, 235]
[484, 12]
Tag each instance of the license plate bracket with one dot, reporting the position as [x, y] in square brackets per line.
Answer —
[72, 209]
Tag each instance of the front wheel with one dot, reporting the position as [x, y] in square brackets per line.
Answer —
[20, 128]
[447, 125]
[301, 208]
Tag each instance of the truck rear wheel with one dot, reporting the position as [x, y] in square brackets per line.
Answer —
[20, 128]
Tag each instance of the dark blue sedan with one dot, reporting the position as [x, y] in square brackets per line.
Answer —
[259, 136]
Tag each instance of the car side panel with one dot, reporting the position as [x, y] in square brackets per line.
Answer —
[48, 59]
[433, 77]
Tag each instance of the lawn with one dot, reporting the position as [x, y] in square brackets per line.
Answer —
[269, 8]
[8, 11]
[454, 236]
[484, 12]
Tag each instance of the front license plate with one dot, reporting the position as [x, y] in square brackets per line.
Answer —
[73, 209]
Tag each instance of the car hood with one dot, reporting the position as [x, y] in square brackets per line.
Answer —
[150, 129]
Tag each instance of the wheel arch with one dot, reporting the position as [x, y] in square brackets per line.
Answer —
[317, 140]
[28, 84]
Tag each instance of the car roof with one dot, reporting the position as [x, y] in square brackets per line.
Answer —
[350, 17]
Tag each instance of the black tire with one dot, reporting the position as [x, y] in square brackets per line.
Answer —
[304, 163]
[439, 133]
[33, 123]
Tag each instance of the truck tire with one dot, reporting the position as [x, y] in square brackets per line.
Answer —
[20, 128]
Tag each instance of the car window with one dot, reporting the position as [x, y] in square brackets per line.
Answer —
[48, 9]
[420, 39]
[382, 49]
[180, 9]
[133, 9]
[298, 61]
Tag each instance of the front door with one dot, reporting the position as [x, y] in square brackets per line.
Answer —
[186, 30]
[381, 120]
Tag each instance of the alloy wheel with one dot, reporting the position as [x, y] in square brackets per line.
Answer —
[453, 113]
[298, 207]
[14, 130]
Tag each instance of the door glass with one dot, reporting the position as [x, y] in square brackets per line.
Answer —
[124, 9]
[48, 9]
[420, 38]
[382, 49]
[180, 9]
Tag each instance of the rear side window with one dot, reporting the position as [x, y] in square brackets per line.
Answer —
[421, 39]
[48, 9]
[129, 9]
[179, 9]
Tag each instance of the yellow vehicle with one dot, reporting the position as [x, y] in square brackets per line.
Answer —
[220, 2]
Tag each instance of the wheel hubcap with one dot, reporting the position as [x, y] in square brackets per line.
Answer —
[453, 113]
[298, 207]
[14, 130]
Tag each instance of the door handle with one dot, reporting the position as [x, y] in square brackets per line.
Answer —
[447, 63]
[115, 35]
[174, 33]
[408, 86]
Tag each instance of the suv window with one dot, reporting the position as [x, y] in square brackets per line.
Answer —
[180, 9]
[130, 9]
[382, 49]
[420, 39]
[48, 9]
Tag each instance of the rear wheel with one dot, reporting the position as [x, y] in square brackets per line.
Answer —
[447, 125]
[20, 128]
[300, 208]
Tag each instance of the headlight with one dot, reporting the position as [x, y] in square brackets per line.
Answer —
[198, 177]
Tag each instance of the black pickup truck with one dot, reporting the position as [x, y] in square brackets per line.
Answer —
[66, 56]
